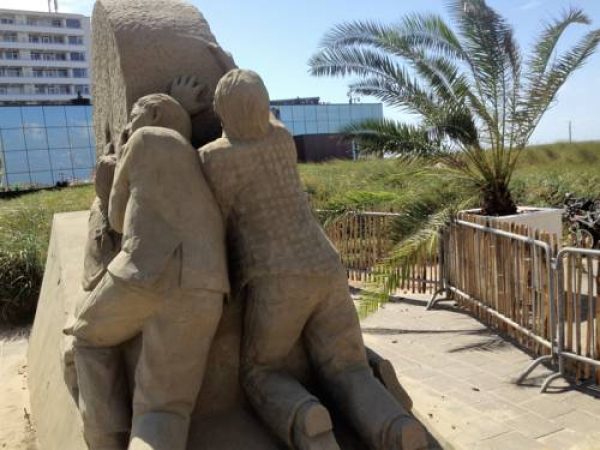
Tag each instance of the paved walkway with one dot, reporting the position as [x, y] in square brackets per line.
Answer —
[458, 374]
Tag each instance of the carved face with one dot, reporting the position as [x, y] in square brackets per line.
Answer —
[141, 116]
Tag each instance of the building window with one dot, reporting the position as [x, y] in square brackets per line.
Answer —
[9, 37]
[38, 73]
[7, 20]
[82, 89]
[8, 89]
[34, 38]
[77, 56]
[11, 72]
[79, 73]
[48, 56]
[11, 54]
[76, 40]
[73, 23]
[57, 23]
[52, 89]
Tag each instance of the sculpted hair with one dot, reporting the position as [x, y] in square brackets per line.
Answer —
[242, 104]
[172, 114]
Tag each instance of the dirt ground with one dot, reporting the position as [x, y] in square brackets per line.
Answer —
[16, 431]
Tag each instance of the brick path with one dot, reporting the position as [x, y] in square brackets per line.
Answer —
[459, 376]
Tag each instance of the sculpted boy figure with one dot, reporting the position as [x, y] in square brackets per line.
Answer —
[294, 283]
[102, 245]
[103, 242]
[167, 282]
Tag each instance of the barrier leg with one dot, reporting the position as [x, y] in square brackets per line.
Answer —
[434, 299]
[549, 380]
[531, 367]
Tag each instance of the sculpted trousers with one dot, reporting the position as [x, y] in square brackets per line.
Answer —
[177, 327]
[282, 309]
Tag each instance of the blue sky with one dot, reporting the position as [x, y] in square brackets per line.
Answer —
[276, 38]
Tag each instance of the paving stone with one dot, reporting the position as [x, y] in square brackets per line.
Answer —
[548, 406]
[561, 440]
[579, 421]
[533, 425]
[509, 441]
[514, 393]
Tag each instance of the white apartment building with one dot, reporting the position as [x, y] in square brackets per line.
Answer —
[44, 57]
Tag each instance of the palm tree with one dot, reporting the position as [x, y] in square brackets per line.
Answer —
[478, 99]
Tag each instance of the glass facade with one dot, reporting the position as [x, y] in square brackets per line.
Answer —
[45, 145]
[325, 118]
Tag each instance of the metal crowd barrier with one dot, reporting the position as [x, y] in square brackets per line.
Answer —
[551, 302]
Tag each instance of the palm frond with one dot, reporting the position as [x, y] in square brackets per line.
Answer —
[429, 32]
[540, 96]
[402, 92]
[382, 137]
[548, 40]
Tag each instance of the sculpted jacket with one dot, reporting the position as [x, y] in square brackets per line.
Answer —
[160, 202]
[103, 243]
[270, 226]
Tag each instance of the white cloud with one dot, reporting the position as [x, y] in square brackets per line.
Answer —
[72, 6]
[532, 4]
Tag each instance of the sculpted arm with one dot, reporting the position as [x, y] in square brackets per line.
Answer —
[119, 195]
[215, 179]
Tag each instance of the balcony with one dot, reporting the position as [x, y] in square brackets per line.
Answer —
[39, 97]
[43, 29]
[20, 45]
[44, 63]
[43, 80]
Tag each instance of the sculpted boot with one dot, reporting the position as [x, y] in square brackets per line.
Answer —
[159, 431]
[405, 433]
[374, 413]
[104, 399]
[106, 441]
[313, 429]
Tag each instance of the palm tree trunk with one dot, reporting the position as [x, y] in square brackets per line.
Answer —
[498, 201]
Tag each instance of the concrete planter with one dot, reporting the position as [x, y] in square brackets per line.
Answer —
[543, 219]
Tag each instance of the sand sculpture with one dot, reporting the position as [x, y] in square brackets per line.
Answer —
[309, 385]
[167, 282]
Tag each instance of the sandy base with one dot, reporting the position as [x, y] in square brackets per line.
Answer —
[16, 432]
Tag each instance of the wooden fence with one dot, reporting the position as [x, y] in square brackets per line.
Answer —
[365, 240]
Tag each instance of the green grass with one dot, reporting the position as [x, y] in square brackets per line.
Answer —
[546, 173]
[24, 235]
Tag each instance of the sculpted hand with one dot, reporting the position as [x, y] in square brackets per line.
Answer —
[190, 93]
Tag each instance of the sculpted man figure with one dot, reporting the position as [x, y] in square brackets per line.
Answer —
[167, 282]
[294, 282]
